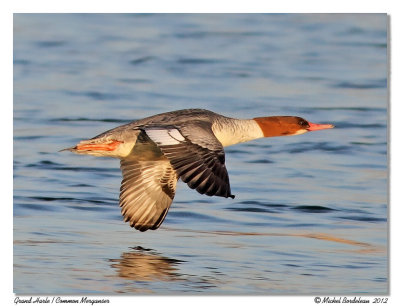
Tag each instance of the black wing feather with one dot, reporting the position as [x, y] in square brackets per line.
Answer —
[202, 168]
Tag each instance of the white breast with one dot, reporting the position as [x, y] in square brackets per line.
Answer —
[233, 131]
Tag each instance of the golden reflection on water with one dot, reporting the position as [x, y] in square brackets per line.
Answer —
[363, 247]
[145, 265]
[141, 264]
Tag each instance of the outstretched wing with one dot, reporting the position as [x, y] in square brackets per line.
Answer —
[196, 155]
[147, 191]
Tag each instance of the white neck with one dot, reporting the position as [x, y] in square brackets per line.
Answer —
[231, 131]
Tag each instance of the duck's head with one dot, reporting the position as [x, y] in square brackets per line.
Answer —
[288, 125]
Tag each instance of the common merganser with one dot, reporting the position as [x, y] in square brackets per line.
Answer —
[188, 144]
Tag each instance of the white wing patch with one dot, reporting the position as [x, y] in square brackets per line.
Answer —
[165, 137]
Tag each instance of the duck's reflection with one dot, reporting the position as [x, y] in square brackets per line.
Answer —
[142, 264]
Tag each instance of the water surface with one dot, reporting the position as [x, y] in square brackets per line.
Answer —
[310, 213]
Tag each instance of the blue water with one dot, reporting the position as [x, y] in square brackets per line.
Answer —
[310, 213]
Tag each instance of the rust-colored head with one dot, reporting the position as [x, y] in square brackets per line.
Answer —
[287, 125]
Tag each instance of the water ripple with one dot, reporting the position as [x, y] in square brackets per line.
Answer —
[363, 219]
[50, 43]
[313, 209]
[251, 209]
[345, 125]
[96, 95]
[197, 61]
[21, 207]
[320, 146]
[260, 161]
[109, 120]
[141, 60]
[46, 164]
[205, 34]
[381, 83]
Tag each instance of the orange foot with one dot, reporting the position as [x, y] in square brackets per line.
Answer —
[111, 146]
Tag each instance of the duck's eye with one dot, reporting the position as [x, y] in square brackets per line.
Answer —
[303, 123]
